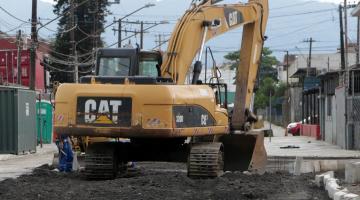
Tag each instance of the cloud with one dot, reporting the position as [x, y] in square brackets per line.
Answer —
[48, 1]
[338, 1]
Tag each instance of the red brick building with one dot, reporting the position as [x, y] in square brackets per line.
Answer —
[8, 62]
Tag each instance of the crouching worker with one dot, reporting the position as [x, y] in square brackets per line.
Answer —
[66, 155]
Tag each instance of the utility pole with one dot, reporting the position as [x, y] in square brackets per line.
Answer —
[136, 32]
[76, 71]
[141, 35]
[310, 51]
[33, 44]
[159, 41]
[346, 35]
[19, 47]
[310, 41]
[119, 33]
[358, 42]
[342, 50]
[72, 40]
[270, 118]
[287, 68]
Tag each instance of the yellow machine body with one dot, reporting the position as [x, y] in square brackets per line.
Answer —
[152, 111]
[157, 118]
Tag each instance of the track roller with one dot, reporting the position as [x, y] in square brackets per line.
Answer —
[101, 161]
[205, 160]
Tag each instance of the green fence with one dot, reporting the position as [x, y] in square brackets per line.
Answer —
[230, 97]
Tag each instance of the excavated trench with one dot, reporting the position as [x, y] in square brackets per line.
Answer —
[160, 181]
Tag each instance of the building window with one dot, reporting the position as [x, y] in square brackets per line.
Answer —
[329, 105]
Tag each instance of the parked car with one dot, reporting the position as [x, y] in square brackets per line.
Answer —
[294, 128]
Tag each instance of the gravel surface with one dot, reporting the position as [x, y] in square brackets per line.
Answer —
[159, 181]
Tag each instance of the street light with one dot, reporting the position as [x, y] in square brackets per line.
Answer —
[135, 11]
[115, 2]
[149, 5]
[99, 31]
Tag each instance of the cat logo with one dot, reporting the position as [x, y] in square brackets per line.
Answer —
[179, 118]
[204, 119]
[103, 108]
[104, 111]
[103, 119]
[233, 17]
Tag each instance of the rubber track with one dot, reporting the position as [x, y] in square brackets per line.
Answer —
[205, 160]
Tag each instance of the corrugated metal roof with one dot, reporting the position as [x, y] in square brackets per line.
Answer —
[356, 11]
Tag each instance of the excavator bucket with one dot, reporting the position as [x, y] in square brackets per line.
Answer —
[245, 152]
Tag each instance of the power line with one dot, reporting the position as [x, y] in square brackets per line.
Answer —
[301, 29]
[271, 17]
[57, 69]
[292, 5]
[160, 40]
[86, 34]
[55, 52]
[303, 13]
[68, 11]
[13, 29]
[13, 16]
[6, 24]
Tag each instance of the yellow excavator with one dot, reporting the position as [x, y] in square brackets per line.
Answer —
[140, 102]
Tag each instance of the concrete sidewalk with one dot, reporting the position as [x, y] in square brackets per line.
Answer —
[310, 155]
[13, 166]
[278, 131]
[308, 148]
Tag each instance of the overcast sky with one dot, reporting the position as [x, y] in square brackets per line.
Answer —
[288, 26]
[329, 1]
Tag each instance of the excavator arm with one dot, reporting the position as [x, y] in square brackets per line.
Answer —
[207, 20]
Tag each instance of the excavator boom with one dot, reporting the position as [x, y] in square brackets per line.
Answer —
[206, 21]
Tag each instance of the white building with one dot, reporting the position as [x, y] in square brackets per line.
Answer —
[320, 63]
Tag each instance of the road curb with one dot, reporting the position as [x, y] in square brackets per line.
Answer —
[330, 184]
[48, 149]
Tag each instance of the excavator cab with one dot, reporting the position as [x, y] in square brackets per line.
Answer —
[114, 66]
[128, 63]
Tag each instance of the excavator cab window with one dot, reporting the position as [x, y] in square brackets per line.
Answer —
[221, 94]
[114, 66]
[149, 64]
[127, 63]
[148, 67]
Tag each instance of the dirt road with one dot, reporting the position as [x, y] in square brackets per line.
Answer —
[159, 181]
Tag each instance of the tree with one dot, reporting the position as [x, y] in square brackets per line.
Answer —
[262, 95]
[266, 66]
[89, 20]
[234, 58]
[267, 63]
[267, 80]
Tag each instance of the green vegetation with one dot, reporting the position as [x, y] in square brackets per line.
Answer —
[267, 77]
[267, 63]
[234, 58]
[89, 21]
[262, 95]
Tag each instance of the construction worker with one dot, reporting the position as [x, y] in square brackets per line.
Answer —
[66, 155]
